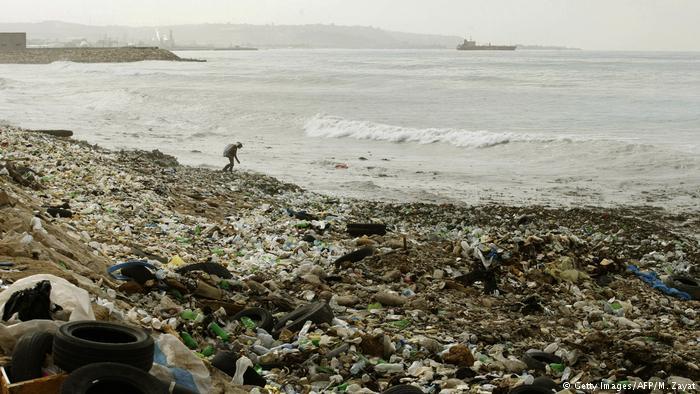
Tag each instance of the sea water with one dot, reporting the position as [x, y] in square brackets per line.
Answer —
[522, 127]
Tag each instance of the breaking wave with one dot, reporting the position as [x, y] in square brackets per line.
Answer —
[338, 127]
[109, 100]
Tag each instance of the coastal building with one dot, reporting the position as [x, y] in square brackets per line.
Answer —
[13, 41]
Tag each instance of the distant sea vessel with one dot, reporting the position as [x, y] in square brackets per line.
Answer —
[469, 45]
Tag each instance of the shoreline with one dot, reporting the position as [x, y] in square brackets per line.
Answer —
[686, 222]
[187, 110]
[88, 55]
[129, 201]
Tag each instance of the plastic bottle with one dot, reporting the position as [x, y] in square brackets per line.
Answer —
[208, 351]
[248, 323]
[358, 367]
[388, 368]
[259, 349]
[304, 342]
[265, 339]
[216, 329]
[188, 340]
[188, 314]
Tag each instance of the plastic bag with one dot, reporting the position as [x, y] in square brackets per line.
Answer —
[173, 361]
[71, 298]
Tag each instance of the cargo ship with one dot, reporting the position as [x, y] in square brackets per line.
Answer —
[469, 45]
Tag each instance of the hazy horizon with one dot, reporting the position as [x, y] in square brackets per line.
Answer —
[594, 24]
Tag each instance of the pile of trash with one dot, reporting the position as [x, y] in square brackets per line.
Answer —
[247, 283]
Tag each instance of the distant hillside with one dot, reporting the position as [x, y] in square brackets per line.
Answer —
[224, 35]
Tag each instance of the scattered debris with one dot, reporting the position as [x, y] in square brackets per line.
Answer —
[237, 273]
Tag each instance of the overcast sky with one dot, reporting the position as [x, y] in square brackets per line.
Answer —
[590, 24]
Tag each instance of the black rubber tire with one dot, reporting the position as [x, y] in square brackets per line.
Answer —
[59, 212]
[539, 360]
[355, 256]
[85, 342]
[29, 355]
[358, 229]
[317, 312]
[260, 316]
[530, 389]
[138, 273]
[685, 284]
[464, 373]
[210, 268]
[226, 362]
[180, 389]
[112, 378]
[546, 383]
[403, 389]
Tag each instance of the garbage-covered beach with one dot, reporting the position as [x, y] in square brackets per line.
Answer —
[244, 283]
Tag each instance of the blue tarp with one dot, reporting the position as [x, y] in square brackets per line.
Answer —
[652, 279]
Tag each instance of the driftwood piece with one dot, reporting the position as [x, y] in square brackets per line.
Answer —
[25, 176]
[55, 133]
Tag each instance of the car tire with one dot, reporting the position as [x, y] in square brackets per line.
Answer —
[85, 342]
[210, 268]
[112, 378]
[260, 316]
[226, 362]
[685, 284]
[29, 355]
[539, 360]
[317, 312]
[359, 229]
[546, 383]
[530, 389]
[354, 256]
[403, 389]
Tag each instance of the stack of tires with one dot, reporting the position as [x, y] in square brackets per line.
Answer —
[100, 357]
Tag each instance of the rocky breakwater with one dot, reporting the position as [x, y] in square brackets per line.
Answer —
[445, 298]
[87, 55]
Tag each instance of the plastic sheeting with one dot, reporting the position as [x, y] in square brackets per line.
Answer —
[173, 361]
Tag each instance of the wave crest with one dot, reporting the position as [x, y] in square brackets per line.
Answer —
[337, 127]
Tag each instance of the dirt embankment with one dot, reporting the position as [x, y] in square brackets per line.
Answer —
[87, 55]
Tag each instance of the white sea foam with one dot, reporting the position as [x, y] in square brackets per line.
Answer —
[108, 100]
[338, 127]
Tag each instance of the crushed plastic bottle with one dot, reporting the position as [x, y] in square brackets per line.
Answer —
[389, 368]
[304, 341]
[265, 339]
[358, 367]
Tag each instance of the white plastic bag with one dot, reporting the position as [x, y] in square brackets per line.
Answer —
[71, 298]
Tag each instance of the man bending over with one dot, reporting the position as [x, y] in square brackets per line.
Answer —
[231, 151]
